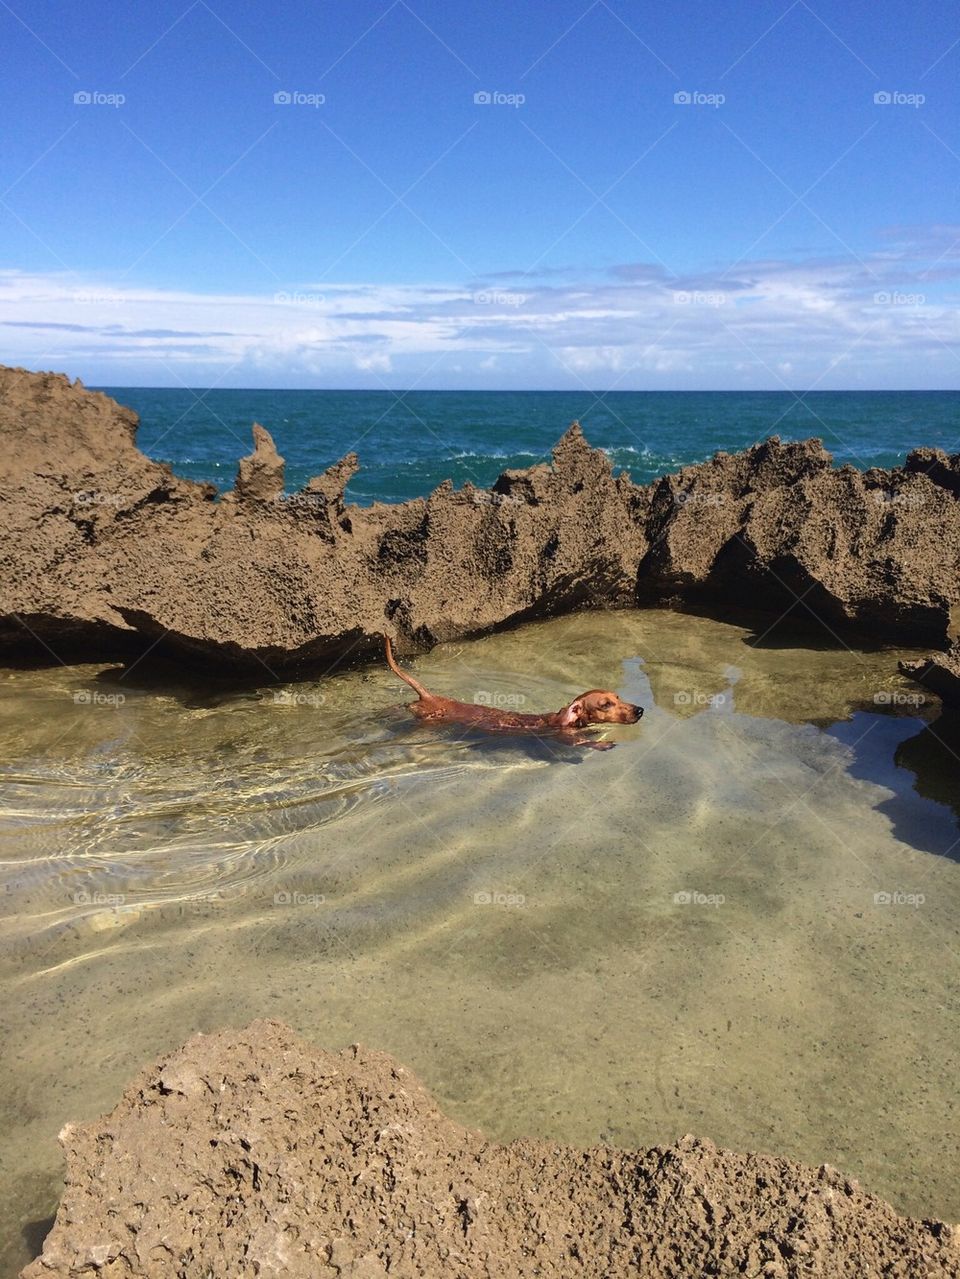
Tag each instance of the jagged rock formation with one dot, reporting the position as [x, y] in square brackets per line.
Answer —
[104, 550]
[248, 1153]
[260, 476]
[779, 527]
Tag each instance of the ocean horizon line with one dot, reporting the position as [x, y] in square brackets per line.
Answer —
[466, 390]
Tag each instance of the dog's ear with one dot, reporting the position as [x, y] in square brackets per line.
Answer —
[572, 716]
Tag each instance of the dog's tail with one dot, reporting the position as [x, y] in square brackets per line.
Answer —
[403, 674]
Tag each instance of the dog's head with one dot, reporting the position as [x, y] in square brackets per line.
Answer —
[599, 706]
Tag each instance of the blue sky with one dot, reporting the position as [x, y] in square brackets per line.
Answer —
[752, 195]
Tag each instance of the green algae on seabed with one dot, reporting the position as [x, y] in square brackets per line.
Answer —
[741, 922]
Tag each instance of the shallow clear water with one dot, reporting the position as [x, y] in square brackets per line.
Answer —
[687, 933]
[410, 442]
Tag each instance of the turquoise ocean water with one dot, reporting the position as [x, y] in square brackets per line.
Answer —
[409, 442]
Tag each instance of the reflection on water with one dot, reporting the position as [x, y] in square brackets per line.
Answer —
[933, 755]
[741, 922]
[883, 748]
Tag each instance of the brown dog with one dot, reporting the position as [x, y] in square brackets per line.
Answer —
[598, 706]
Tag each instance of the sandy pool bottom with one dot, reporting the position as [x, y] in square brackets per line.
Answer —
[742, 922]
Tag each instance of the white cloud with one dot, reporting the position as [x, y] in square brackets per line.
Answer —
[883, 319]
[378, 363]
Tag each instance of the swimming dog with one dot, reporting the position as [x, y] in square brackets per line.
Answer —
[596, 706]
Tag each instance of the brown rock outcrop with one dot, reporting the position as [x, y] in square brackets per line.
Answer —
[102, 549]
[248, 1153]
[260, 476]
[779, 528]
[71, 481]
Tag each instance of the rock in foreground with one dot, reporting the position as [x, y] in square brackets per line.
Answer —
[248, 1153]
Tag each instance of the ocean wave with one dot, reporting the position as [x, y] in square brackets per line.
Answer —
[437, 462]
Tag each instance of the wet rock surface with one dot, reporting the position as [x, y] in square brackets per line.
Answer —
[103, 550]
[940, 672]
[250, 1153]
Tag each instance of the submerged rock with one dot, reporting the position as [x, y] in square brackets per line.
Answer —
[248, 1153]
[940, 673]
[104, 550]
